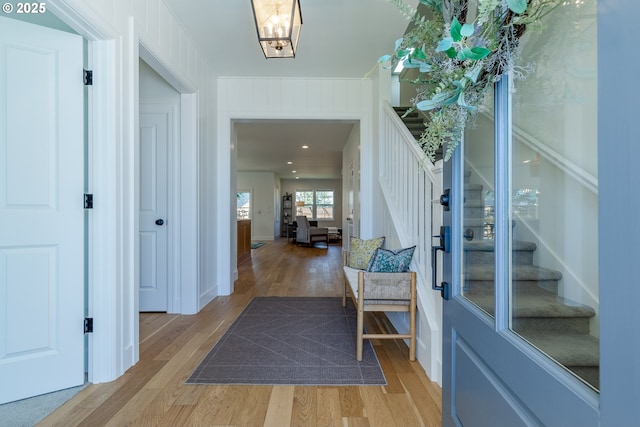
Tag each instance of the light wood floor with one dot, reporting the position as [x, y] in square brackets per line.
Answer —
[153, 392]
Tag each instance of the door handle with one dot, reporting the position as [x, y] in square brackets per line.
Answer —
[445, 198]
[160, 221]
[445, 247]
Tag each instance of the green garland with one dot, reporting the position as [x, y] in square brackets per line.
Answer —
[460, 59]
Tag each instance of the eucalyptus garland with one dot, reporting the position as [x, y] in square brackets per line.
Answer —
[461, 48]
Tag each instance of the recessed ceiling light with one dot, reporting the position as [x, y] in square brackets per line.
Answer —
[297, 177]
[293, 171]
[289, 163]
[305, 146]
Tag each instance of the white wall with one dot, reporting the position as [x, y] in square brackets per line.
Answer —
[153, 88]
[275, 98]
[263, 209]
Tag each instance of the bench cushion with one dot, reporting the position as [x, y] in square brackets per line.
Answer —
[381, 288]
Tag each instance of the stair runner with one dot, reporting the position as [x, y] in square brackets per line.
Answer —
[414, 121]
[556, 326]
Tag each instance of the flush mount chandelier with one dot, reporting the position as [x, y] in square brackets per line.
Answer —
[278, 23]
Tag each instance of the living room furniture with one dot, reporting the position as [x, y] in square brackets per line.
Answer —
[381, 292]
[335, 233]
[292, 231]
[287, 218]
[244, 240]
[305, 233]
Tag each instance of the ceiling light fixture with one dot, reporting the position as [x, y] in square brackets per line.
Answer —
[305, 146]
[278, 23]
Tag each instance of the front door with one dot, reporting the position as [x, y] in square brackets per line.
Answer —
[154, 136]
[521, 327]
[41, 210]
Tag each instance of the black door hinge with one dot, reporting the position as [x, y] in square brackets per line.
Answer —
[88, 77]
[88, 325]
[88, 201]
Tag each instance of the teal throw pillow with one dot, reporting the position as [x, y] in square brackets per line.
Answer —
[386, 261]
[360, 251]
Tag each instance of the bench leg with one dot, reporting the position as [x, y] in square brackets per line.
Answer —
[344, 294]
[412, 332]
[360, 328]
[412, 320]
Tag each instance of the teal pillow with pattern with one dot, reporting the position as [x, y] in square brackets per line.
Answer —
[386, 261]
[360, 251]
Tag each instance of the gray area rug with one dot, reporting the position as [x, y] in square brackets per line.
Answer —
[291, 341]
[28, 412]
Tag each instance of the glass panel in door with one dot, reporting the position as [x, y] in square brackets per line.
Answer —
[478, 245]
[554, 205]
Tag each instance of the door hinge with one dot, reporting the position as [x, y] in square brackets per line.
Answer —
[88, 325]
[88, 201]
[88, 77]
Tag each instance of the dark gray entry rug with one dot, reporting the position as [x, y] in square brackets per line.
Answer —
[291, 341]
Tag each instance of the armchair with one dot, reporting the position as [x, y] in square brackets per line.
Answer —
[307, 234]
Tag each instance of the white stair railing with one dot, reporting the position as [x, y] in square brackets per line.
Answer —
[409, 184]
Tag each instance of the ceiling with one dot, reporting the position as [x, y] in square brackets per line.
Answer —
[339, 38]
[268, 146]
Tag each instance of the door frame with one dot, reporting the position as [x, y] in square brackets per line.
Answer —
[106, 360]
[618, 230]
[113, 176]
[184, 184]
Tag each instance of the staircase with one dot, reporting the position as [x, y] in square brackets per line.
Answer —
[414, 121]
[556, 326]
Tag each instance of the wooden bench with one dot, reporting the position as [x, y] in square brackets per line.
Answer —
[381, 292]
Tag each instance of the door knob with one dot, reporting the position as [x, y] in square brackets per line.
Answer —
[159, 221]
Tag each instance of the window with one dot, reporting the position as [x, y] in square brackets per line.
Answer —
[243, 199]
[304, 204]
[316, 204]
[324, 204]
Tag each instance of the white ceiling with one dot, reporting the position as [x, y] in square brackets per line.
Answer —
[268, 146]
[339, 38]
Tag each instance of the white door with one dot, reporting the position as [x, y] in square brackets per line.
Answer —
[154, 134]
[41, 210]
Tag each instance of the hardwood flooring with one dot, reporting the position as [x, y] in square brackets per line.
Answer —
[154, 393]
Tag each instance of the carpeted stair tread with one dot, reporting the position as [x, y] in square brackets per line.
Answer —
[520, 272]
[489, 246]
[568, 349]
[542, 305]
[473, 203]
[473, 187]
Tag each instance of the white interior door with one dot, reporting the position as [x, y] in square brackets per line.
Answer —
[41, 210]
[154, 136]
